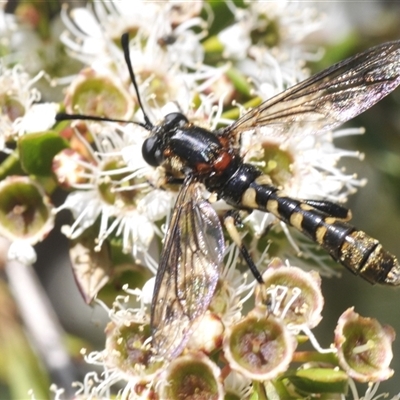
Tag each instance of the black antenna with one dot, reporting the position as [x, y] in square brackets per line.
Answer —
[66, 117]
[147, 124]
[125, 47]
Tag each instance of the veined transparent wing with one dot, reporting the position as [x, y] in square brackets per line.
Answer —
[329, 98]
[188, 271]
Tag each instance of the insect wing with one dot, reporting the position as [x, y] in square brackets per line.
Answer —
[188, 270]
[329, 98]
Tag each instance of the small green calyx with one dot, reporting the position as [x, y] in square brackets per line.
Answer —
[158, 87]
[127, 348]
[259, 347]
[364, 347]
[192, 377]
[293, 294]
[114, 188]
[130, 344]
[100, 94]
[267, 32]
[97, 96]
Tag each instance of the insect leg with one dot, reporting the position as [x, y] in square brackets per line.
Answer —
[333, 209]
[231, 221]
[171, 180]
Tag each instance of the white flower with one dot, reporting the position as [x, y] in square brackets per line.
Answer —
[116, 191]
[7, 26]
[237, 385]
[233, 290]
[126, 355]
[40, 117]
[266, 42]
[91, 33]
[371, 392]
[18, 112]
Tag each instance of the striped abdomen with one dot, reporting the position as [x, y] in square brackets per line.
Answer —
[357, 251]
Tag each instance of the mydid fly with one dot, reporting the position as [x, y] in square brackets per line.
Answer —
[194, 246]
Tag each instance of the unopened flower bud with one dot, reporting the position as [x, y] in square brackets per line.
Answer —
[68, 166]
[208, 334]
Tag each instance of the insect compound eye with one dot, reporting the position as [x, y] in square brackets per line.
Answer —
[152, 152]
[174, 120]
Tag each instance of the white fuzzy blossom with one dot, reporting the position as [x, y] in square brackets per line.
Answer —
[20, 111]
[114, 188]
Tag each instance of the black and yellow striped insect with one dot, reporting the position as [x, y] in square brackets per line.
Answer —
[194, 246]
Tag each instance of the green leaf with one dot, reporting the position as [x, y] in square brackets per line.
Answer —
[320, 380]
[37, 150]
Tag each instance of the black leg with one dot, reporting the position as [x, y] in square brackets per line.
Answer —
[332, 209]
[231, 221]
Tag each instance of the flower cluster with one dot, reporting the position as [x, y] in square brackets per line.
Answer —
[183, 61]
[238, 354]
